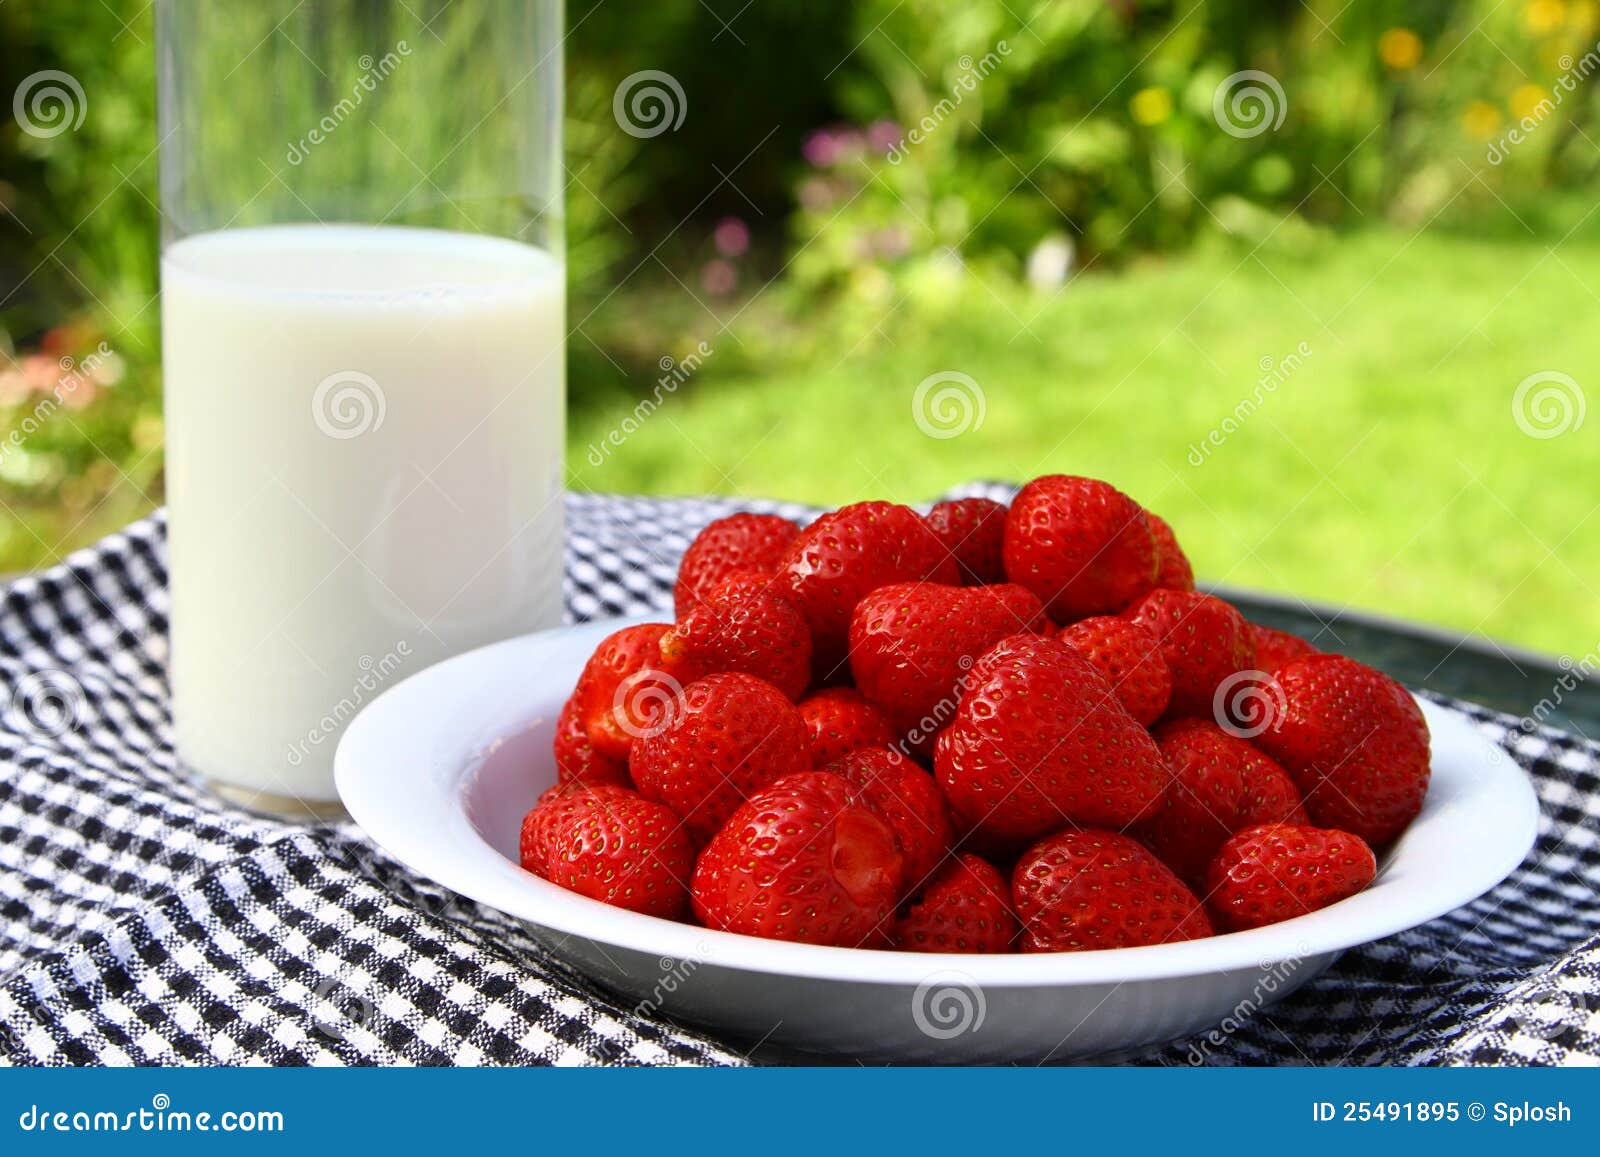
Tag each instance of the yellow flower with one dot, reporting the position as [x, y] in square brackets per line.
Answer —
[1526, 100]
[1542, 16]
[1151, 106]
[1400, 49]
[1481, 119]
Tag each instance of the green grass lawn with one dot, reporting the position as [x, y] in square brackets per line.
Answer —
[1385, 472]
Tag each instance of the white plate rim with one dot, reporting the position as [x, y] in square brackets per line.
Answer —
[415, 818]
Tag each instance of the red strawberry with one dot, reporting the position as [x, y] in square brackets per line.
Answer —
[972, 529]
[1172, 565]
[804, 859]
[847, 554]
[1084, 547]
[753, 542]
[965, 908]
[728, 735]
[576, 759]
[1274, 648]
[911, 644]
[1204, 640]
[624, 688]
[1355, 743]
[736, 628]
[1084, 889]
[1040, 740]
[613, 846]
[1221, 784]
[1276, 872]
[908, 799]
[1130, 659]
[840, 721]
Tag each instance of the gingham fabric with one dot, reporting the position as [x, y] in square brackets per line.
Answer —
[144, 922]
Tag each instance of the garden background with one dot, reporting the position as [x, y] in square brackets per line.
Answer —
[1319, 281]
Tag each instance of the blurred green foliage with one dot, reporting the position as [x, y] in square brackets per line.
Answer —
[847, 170]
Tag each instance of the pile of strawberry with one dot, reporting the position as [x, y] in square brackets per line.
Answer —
[982, 730]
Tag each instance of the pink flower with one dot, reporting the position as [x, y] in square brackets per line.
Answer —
[731, 237]
[883, 135]
[816, 194]
[820, 149]
[718, 277]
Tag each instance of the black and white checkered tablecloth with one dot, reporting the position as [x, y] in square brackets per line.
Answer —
[142, 921]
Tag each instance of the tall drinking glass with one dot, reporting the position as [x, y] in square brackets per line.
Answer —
[363, 322]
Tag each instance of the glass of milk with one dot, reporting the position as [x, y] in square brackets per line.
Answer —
[363, 327]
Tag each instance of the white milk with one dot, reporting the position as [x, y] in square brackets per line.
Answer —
[364, 460]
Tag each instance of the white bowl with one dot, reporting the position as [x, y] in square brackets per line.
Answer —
[440, 769]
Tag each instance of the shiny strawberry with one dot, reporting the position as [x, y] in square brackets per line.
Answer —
[1084, 547]
[576, 759]
[1172, 565]
[909, 800]
[738, 628]
[804, 859]
[1204, 640]
[965, 908]
[911, 645]
[1040, 740]
[1276, 872]
[1129, 657]
[973, 530]
[1221, 784]
[727, 736]
[1355, 743]
[623, 688]
[1082, 889]
[613, 846]
[747, 542]
[850, 552]
[1274, 648]
[840, 720]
